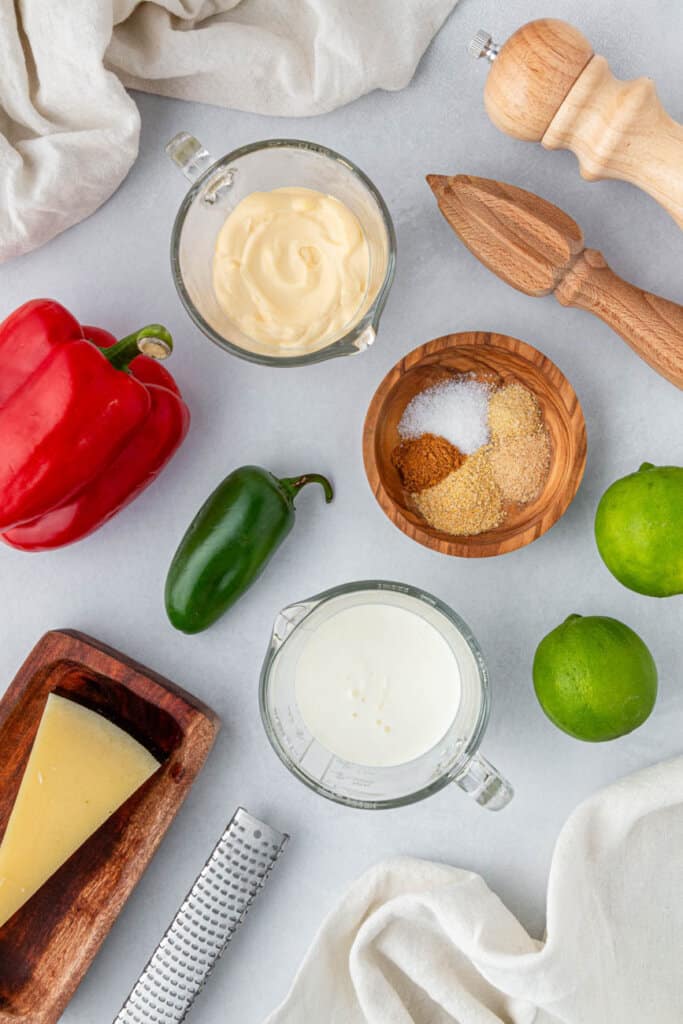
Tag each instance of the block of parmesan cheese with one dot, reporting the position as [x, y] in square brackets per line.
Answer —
[80, 770]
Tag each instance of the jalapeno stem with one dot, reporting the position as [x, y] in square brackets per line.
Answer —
[293, 484]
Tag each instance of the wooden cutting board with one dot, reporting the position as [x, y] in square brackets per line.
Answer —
[47, 947]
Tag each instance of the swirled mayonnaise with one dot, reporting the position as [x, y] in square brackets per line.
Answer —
[291, 267]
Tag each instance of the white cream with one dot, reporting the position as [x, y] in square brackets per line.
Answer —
[291, 267]
[377, 685]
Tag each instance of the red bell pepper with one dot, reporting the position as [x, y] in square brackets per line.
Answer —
[86, 423]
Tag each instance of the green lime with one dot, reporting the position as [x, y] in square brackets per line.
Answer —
[639, 530]
[595, 678]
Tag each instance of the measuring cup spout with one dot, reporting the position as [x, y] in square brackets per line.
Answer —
[287, 621]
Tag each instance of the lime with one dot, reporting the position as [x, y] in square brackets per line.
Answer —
[639, 530]
[595, 678]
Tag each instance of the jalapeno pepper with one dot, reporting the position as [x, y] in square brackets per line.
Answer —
[229, 542]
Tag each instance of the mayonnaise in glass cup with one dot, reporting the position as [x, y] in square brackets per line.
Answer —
[219, 185]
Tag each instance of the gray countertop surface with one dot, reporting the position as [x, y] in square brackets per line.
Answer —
[113, 269]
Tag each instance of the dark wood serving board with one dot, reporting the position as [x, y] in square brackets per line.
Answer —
[47, 947]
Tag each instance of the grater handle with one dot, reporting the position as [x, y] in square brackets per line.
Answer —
[210, 915]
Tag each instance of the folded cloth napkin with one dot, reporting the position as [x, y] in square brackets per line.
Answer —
[69, 131]
[420, 943]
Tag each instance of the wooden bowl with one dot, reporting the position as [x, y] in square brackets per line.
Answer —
[492, 356]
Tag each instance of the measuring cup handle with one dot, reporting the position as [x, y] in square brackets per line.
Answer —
[483, 782]
[189, 155]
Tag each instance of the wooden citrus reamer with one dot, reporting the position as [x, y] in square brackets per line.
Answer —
[538, 249]
[546, 85]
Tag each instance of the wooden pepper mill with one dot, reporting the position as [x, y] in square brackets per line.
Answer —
[546, 85]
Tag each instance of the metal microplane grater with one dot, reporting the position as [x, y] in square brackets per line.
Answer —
[212, 912]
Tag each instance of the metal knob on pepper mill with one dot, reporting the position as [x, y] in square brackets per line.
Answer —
[546, 85]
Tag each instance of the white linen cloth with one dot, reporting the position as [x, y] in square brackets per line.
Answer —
[420, 943]
[69, 131]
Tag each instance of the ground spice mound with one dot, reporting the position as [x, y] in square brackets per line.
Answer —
[467, 501]
[513, 412]
[520, 466]
[425, 461]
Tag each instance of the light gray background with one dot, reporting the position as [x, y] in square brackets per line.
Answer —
[113, 269]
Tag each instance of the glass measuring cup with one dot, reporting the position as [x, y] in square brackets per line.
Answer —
[455, 758]
[217, 187]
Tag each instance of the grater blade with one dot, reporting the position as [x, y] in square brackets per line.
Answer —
[210, 915]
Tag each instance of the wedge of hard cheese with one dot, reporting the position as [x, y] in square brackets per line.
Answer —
[80, 770]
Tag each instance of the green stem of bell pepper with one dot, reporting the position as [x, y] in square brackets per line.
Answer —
[291, 485]
[153, 341]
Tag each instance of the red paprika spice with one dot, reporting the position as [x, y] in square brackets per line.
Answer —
[86, 423]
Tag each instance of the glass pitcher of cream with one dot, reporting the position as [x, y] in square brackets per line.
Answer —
[375, 694]
[283, 252]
